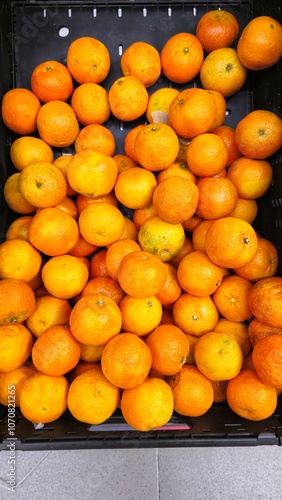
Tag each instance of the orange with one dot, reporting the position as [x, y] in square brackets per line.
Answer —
[176, 169]
[64, 276]
[124, 162]
[220, 109]
[14, 197]
[245, 209]
[218, 356]
[90, 103]
[19, 228]
[207, 155]
[19, 111]
[128, 98]
[142, 60]
[83, 201]
[17, 301]
[193, 393]
[156, 146]
[140, 215]
[16, 379]
[129, 142]
[134, 187]
[186, 248]
[237, 330]
[42, 184]
[16, 344]
[192, 339]
[26, 149]
[199, 234]
[97, 137]
[171, 289]
[231, 298]
[147, 406]
[217, 29]
[51, 81]
[140, 315]
[130, 230]
[258, 134]
[198, 275]
[219, 389]
[161, 238]
[252, 178]
[231, 242]
[217, 198]
[175, 199]
[258, 330]
[92, 398]
[183, 145]
[95, 319]
[227, 134]
[98, 264]
[19, 259]
[167, 318]
[264, 263]
[169, 347]
[62, 163]
[223, 71]
[249, 397]
[43, 398]
[195, 315]
[82, 248]
[88, 60]
[57, 124]
[49, 311]
[101, 224]
[104, 285]
[116, 252]
[81, 367]
[267, 360]
[67, 205]
[158, 104]
[192, 112]
[181, 57]
[90, 353]
[137, 268]
[260, 43]
[265, 301]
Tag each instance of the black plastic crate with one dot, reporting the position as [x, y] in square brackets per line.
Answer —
[33, 31]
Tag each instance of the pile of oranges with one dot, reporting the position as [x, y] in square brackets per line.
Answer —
[177, 307]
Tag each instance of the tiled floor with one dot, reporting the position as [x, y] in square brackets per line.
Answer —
[252, 473]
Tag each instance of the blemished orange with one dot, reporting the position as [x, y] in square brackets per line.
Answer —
[124, 162]
[231, 242]
[258, 330]
[98, 263]
[192, 112]
[140, 315]
[51, 81]
[90, 103]
[91, 353]
[126, 360]
[13, 196]
[57, 124]
[186, 248]
[171, 289]
[88, 60]
[128, 98]
[95, 319]
[267, 360]
[82, 248]
[17, 301]
[156, 146]
[95, 136]
[207, 155]
[245, 209]
[62, 163]
[92, 398]
[217, 29]
[192, 391]
[258, 134]
[16, 344]
[42, 184]
[19, 228]
[227, 134]
[237, 330]
[223, 71]
[158, 104]
[140, 215]
[265, 301]
[169, 348]
[19, 259]
[64, 276]
[218, 356]
[161, 238]
[198, 275]
[137, 268]
[129, 141]
[43, 398]
[101, 224]
[199, 235]
[116, 252]
[251, 177]
[104, 285]
[217, 198]
[260, 43]
[264, 263]
[26, 149]
[49, 311]
[19, 110]
[181, 57]
[16, 379]
[231, 298]
[142, 60]
[134, 187]
[175, 199]
[147, 406]
[195, 315]
[179, 169]
[249, 397]
[220, 109]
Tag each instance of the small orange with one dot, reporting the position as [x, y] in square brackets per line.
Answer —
[195, 315]
[198, 275]
[101, 224]
[90, 103]
[186, 248]
[169, 347]
[26, 149]
[104, 285]
[192, 339]
[16, 379]
[252, 178]
[140, 315]
[134, 187]
[130, 230]
[167, 318]
[207, 155]
[161, 238]
[83, 201]
[265, 301]
[129, 142]
[13, 196]
[237, 330]
[42, 184]
[258, 330]
[217, 29]
[49, 311]
[57, 124]
[88, 60]
[67, 205]
[220, 102]
[17, 301]
[62, 163]
[158, 104]
[81, 367]
[124, 162]
[19, 259]
[90, 353]
[217, 198]
[267, 360]
[227, 134]
[258, 134]
[82, 248]
[199, 235]
[181, 57]
[142, 60]
[128, 98]
[140, 215]
[156, 146]
[51, 81]
[16, 344]
[175, 199]
[263, 264]
[176, 169]
[219, 389]
[64, 276]
[98, 263]
[245, 209]
[116, 252]
[231, 298]
[19, 228]
[97, 137]
[171, 289]
[19, 110]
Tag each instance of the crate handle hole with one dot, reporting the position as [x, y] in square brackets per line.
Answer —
[63, 31]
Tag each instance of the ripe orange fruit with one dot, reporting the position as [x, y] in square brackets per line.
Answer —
[171, 289]
[19, 259]
[19, 228]
[195, 315]
[140, 315]
[169, 347]
[258, 134]
[90, 103]
[199, 235]
[175, 199]
[15, 378]
[88, 60]
[258, 330]
[217, 29]
[101, 224]
[42, 184]
[14, 197]
[19, 110]
[237, 330]
[158, 104]
[83, 201]
[156, 146]
[198, 275]
[186, 248]
[129, 142]
[217, 198]
[82, 248]
[231, 298]
[97, 137]
[26, 149]
[116, 252]
[51, 81]
[220, 109]
[62, 163]
[252, 178]
[57, 124]
[192, 112]
[249, 397]
[161, 238]
[17, 301]
[67, 205]
[90, 353]
[193, 393]
[265, 301]
[16, 344]
[176, 169]
[207, 155]
[263, 264]
[104, 285]
[260, 45]
[49, 311]
[64, 276]
[134, 187]
[147, 406]
[267, 360]
[219, 389]
[181, 57]
[140, 215]
[98, 263]
[92, 398]
[223, 71]
[142, 60]
[124, 162]
[81, 367]
[245, 209]
[128, 98]
[43, 398]
[227, 134]
[231, 242]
